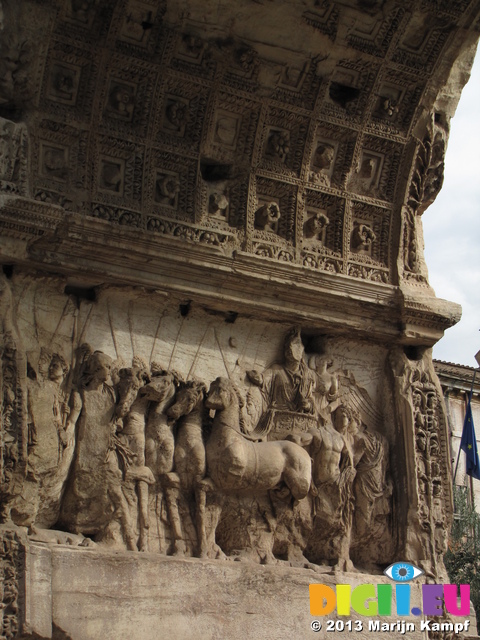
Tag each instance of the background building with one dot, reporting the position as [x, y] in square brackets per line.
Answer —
[456, 381]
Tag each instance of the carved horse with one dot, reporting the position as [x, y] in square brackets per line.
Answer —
[190, 459]
[237, 464]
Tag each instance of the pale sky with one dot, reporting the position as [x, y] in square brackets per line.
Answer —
[452, 229]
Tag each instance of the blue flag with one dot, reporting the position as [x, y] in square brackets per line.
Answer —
[468, 443]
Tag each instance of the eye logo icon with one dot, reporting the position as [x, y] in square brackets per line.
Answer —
[402, 572]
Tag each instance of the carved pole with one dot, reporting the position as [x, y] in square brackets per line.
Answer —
[69, 383]
[469, 400]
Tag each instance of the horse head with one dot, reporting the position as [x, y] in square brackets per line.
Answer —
[189, 396]
[162, 386]
[131, 379]
[222, 394]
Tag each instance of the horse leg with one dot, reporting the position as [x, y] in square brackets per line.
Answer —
[207, 547]
[142, 488]
[297, 473]
[171, 496]
[201, 489]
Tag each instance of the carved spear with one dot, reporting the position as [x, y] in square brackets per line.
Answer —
[69, 382]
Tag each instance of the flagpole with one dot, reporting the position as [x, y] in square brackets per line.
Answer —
[468, 402]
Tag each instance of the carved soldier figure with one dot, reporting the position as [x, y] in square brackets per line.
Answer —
[50, 448]
[94, 497]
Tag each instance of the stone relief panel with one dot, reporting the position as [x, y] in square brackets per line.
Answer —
[278, 216]
[419, 402]
[283, 142]
[13, 157]
[180, 113]
[191, 54]
[348, 91]
[21, 53]
[372, 35]
[299, 84]
[422, 42]
[226, 203]
[12, 555]
[377, 168]
[332, 154]
[369, 254]
[13, 404]
[140, 28]
[243, 72]
[118, 172]
[142, 417]
[59, 157]
[171, 186]
[85, 21]
[232, 130]
[69, 82]
[324, 18]
[127, 97]
[394, 108]
[322, 231]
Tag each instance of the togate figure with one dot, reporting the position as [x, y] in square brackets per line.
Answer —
[281, 399]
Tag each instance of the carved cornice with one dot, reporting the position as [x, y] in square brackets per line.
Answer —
[456, 377]
[47, 237]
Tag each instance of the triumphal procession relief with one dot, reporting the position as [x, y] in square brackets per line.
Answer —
[216, 381]
[285, 464]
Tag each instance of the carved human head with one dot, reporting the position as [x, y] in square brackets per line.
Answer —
[343, 416]
[98, 367]
[44, 362]
[320, 363]
[58, 368]
[293, 346]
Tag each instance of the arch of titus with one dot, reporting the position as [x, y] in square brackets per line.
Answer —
[215, 317]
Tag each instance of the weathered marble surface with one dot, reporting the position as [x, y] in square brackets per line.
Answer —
[211, 248]
[91, 595]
